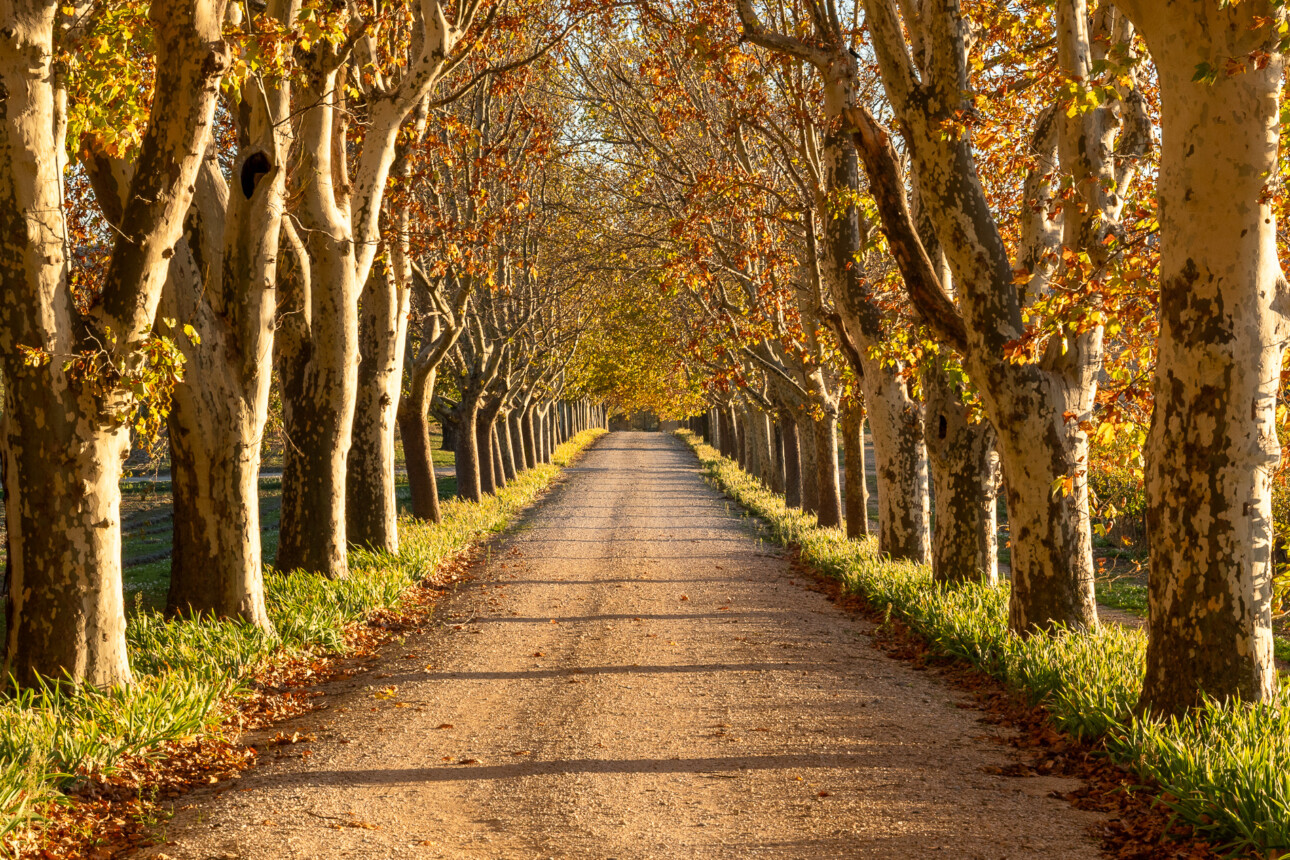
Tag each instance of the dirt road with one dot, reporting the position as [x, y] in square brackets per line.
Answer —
[635, 675]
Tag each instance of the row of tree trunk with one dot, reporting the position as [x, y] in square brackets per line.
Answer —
[1222, 300]
[796, 455]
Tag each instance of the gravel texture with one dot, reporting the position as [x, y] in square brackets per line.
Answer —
[633, 674]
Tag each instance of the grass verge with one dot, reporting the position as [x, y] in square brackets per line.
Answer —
[1224, 770]
[190, 673]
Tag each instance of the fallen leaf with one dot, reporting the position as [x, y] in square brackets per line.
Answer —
[469, 761]
[445, 725]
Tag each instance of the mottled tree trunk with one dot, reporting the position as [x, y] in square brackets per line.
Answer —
[857, 486]
[901, 465]
[65, 587]
[371, 508]
[903, 506]
[792, 462]
[418, 457]
[826, 464]
[63, 441]
[1223, 300]
[469, 478]
[223, 280]
[505, 447]
[1051, 542]
[318, 365]
[312, 536]
[808, 457]
[216, 566]
[965, 481]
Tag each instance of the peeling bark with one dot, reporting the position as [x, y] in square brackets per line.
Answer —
[317, 357]
[371, 509]
[965, 482]
[63, 441]
[1223, 299]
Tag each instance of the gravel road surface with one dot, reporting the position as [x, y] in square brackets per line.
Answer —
[634, 674]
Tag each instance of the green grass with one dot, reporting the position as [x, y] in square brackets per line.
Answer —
[1225, 769]
[189, 672]
[1122, 593]
[146, 583]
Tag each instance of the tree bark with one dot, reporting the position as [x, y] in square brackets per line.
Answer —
[808, 453]
[499, 467]
[1036, 407]
[505, 446]
[469, 481]
[760, 462]
[857, 486]
[64, 441]
[1223, 300]
[903, 506]
[515, 424]
[318, 358]
[65, 590]
[216, 566]
[965, 481]
[371, 507]
[221, 281]
[483, 445]
[491, 476]
[826, 463]
[414, 430]
[792, 462]
[900, 461]
[777, 476]
[530, 440]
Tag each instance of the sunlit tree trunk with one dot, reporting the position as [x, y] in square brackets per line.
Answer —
[469, 479]
[317, 353]
[371, 509]
[505, 445]
[965, 481]
[222, 281]
[904, 530]
[1223, 301]
[808, 458]
[414, 430]
[63, 442]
